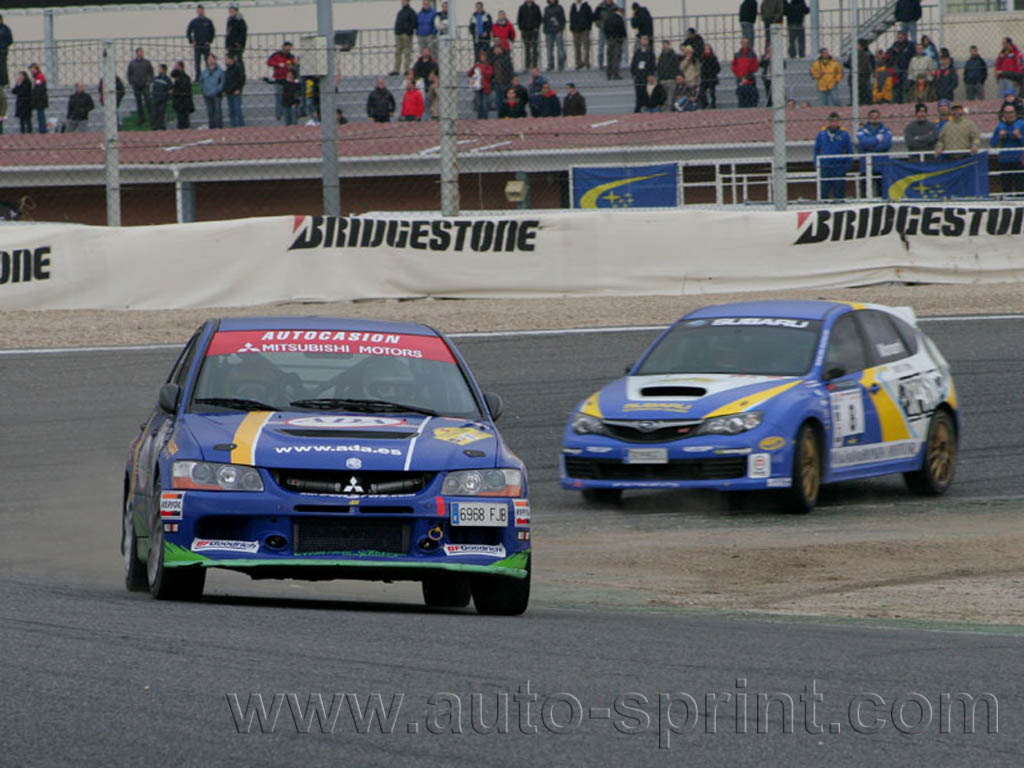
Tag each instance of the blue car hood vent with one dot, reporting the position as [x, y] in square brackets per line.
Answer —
[668, 390]
[346, 434]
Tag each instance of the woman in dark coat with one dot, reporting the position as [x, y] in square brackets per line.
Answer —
[709, 69]
[181, 96]
[22, 91]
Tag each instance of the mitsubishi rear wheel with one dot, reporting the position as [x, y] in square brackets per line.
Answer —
[939, 462]
[169, 583]
[134, 571]
[807, 464]
[446, 590]
[501, 595]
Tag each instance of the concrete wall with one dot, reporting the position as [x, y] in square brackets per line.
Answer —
[363, 14]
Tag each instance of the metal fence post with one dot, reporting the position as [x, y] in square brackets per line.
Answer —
[49, 48]
[942, 23]
[780, 192]
[328, 115]
[815, 28]
[854, 68]
[113, 174]
[449, 113]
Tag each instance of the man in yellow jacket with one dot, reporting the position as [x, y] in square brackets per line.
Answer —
[828, 73]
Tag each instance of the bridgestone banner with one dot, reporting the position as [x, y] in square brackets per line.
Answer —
[312, 258]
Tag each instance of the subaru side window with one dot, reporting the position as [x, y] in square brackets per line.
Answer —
[884, 340]
[846, 351]
[908, 333]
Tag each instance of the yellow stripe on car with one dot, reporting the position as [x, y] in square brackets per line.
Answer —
[890, 416]
[951, 395]
[748, 402]
[591, 407]
[246, 435]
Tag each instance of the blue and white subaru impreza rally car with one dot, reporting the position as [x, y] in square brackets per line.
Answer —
[320, 448]
[771, 395]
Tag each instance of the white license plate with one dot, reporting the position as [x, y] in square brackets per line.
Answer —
[647, 456]
[483, 514]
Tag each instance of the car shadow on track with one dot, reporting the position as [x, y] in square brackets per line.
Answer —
[834, 499]
[328, 604]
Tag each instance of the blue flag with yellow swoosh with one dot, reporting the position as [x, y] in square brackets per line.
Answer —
[906, 180]
[641, 186]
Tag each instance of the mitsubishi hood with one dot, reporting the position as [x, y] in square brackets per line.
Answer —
[684, 396]
[325, 441]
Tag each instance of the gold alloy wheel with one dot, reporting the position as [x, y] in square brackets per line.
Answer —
[941, 451]
[810, 466]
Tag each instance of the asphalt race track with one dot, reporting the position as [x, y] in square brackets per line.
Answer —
[93, 675]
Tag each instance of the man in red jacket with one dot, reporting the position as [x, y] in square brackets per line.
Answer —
[282, 62]
[1009, 67]
[745, 62]
[503, 32]
[412, 102]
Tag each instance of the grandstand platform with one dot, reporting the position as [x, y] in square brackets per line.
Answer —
[604, 97]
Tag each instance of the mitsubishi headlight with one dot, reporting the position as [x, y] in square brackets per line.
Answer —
[207, 476]
[483, 482]
[582, 424]
[730, 425]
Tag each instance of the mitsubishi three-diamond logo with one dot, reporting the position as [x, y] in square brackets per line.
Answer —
[353, 486]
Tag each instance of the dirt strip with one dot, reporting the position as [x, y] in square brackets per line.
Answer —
[960, 564]
[70, 328]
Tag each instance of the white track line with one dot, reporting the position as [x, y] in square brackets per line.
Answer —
[478, 335]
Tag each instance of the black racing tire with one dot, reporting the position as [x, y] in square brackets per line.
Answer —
[602, 496]
[134, 570]
[501, 595]
[169, 583]
[939, 462]
[807, 472]
[446, 590]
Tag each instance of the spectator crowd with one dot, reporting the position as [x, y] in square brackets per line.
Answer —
[682, 75]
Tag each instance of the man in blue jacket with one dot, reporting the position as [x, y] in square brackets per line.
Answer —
[1008, 137]
[875, 138]
[211, 83]
[426, 31]
[833, 151]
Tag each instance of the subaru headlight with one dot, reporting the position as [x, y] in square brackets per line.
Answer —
[483, 482]
[582, 424]
[207, 476]
[732, 424]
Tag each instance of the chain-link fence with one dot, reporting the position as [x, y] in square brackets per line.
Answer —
[539, 126]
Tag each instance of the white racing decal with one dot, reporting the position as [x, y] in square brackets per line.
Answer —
[522, 510]
[920, 393]
[759, 465]
[345, 422]
[337, 449]
[774, 322]
[779, 482]
[171, 505]
[489, 550]
[412, 443]
[853, 455]
[847, 414]
[225, 545]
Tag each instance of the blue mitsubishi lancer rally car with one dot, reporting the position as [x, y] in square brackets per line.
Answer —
[784, 395]
[320, 448]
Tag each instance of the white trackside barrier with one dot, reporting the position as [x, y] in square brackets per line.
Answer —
[256, 261]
